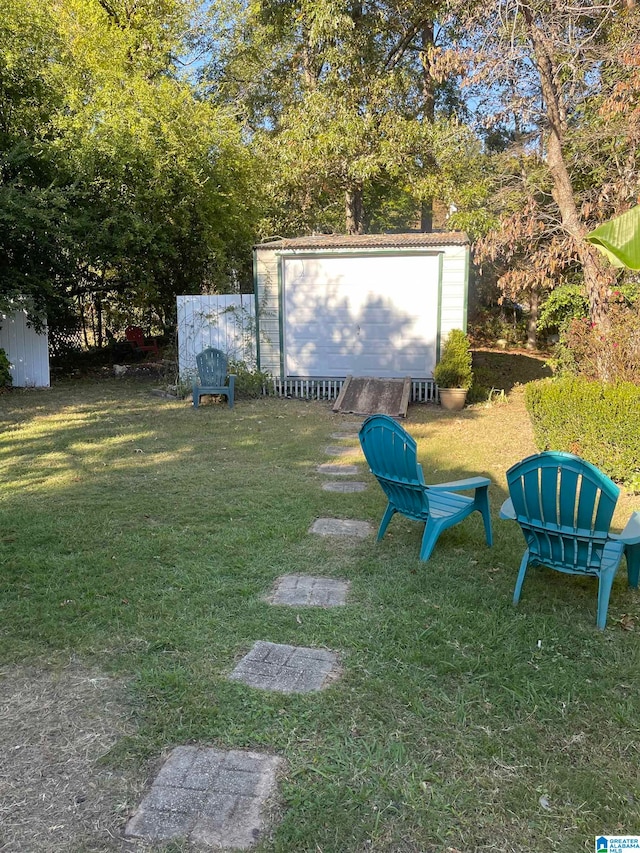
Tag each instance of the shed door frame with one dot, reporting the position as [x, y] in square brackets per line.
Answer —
[284, 256]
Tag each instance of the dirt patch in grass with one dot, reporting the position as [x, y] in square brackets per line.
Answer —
[55, 726]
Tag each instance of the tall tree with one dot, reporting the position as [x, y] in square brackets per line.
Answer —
[34, 252]
[340, 99]
[545, 68]
[142, 190]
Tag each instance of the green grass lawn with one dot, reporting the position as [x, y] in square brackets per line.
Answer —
[139, 538]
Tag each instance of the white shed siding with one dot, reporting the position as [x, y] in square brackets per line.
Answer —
[26, 349]
[453, 310]
[268, 272]
[365, 314]
[267, 289]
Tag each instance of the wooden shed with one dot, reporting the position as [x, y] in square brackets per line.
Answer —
[362, 305]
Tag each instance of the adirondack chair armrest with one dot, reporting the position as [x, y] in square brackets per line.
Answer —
[507, 511]
[631, 533]
[462, 485]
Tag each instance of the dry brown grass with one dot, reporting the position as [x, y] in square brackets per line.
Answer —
[55, 726]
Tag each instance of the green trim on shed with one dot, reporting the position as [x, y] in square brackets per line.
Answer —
[257, 306]
[467, 265]
[439, 308]
[281, 312]
[355, 253]
[451, 280]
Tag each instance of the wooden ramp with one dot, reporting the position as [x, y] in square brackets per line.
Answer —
[368, 396]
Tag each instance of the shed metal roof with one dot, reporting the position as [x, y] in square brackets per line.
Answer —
[415, 239]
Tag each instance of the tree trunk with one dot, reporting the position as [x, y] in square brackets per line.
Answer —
[429, 101]
[597, 280]
[97, 304]
[354, 210]
[532, 319]
[83, 320]
[426, 215]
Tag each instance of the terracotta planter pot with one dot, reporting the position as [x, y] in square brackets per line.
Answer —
[452, 399]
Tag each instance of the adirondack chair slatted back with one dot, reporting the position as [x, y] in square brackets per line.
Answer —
[391, 454]
[212, 368]
[564, 506]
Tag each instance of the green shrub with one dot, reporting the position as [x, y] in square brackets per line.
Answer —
[505, 322]
[249, 383]
[454, 368]
[6, 380]
[599, 422]
[611, 354]
[566, 303]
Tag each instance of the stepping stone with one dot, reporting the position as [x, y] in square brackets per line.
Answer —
[337, 470]
[208, 797]
[353, 486]
[334, 450]
[343, 435]
[341, 527]
[306, 591]
[286, 669]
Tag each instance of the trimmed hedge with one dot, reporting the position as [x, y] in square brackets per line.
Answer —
[599, 422]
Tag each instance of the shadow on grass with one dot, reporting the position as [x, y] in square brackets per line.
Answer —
[505, 370]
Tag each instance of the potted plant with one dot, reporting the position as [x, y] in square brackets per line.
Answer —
[453, 374]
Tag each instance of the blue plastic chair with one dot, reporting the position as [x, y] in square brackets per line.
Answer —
[212, 372]
[391, 454]
[564, 506]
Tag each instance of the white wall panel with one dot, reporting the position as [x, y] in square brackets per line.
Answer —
[225, 322]
[366, 315]
[26, 349]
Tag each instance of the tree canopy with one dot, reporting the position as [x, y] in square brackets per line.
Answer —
[145, 144]
[116, 178]
[554, 74]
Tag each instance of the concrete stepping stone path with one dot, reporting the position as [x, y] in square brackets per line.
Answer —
[346, 527]
[335, 450]
[351, 486]
[337, 470]
[306, 591]
[208, 797]
[286, 669]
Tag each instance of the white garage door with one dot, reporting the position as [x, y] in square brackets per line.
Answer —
[366, 315]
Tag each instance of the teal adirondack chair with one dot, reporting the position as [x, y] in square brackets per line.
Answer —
[212, 373]
[564, 507]
[391, 454]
